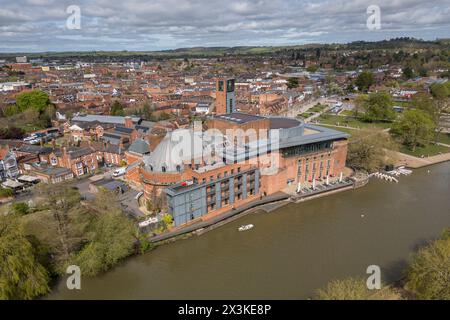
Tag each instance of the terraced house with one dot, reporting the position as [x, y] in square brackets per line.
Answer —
[80, 161]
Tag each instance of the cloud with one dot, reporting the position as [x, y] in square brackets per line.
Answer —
[161, 24]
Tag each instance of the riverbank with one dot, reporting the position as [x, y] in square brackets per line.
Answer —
[291, 252]
[415, 162]
[268, 204]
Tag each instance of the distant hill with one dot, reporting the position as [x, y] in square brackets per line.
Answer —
[204, 52]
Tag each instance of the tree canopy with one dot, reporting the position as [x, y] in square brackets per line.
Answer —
[117, 109]
[364, 80]
[21, 275]
[414, 128]
[377, 107]
[111, 238]
[428, 275]
[292, 83]
[355, 289]
[36, 99]
[367, 150]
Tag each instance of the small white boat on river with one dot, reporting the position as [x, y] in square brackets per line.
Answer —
[246, 227]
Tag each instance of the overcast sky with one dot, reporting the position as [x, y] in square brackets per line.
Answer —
[40, 25]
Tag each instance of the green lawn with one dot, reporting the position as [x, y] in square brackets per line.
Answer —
[427, 151]
[346, 113]
[351, 122]
[30, 128]
[444, 138]
[346, 130]
[317, 108]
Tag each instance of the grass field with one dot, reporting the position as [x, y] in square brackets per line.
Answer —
[351, 122]
[444, 138]
[346, 130]
[346, 113]
[317, 108]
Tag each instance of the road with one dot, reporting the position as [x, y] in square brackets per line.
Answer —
[303, 107]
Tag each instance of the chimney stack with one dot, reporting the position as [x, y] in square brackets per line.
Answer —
[128, 122]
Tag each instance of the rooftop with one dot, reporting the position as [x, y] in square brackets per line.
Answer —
[238, 117]
[103, 119]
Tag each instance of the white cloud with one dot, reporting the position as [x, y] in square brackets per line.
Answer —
[160, 24]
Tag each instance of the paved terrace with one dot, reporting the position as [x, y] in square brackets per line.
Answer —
[203, 224]
[415, 162]
[320, 190]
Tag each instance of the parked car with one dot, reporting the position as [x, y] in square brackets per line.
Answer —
[119, 172]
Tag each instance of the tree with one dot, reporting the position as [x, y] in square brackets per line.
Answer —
[146, 111]
[117, 109]
[61, 225]
[355, 289]
[312, 68]
[112, 237]
[440, 91]
[35, 99]
[414, 128]
[377, 107]
[149, 205]
[292, 83]
[408, 73]
[428, 275]
[21, 275]
[164, 116]
[10, 110]
[367, 150]
[364, 81]
[424, 102]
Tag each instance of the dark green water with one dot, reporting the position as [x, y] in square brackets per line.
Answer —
[291, 251]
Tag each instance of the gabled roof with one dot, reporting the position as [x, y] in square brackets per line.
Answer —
[139, 146]
[125, 130]
[79, 152]
[103, 119]
[29, 148]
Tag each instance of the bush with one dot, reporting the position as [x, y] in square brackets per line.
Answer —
[20, 208]
[168, 220]
[428, 275]
[6, 192]
[355, 289]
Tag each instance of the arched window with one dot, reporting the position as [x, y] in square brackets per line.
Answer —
[151, 167]
[163, 168]
[178, 168]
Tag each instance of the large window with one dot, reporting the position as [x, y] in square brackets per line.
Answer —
[230, 85]
[307, 148]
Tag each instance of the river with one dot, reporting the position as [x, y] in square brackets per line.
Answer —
[291, 251]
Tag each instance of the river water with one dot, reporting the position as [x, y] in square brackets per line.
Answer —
[291, 251]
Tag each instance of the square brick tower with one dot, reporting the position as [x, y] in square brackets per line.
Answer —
[225, 96]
